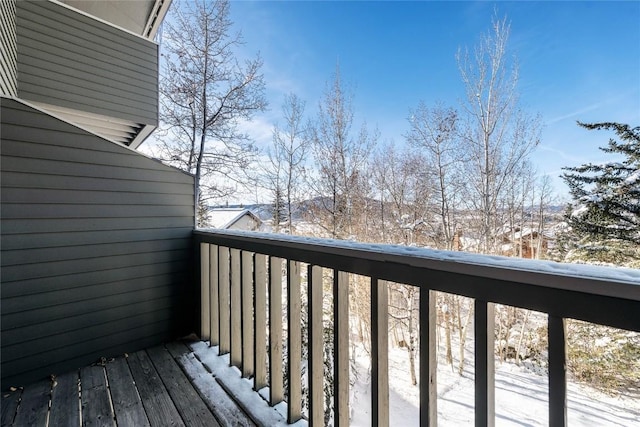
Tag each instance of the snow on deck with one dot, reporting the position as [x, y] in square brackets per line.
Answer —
[241, 389]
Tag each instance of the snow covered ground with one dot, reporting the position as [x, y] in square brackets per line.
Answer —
[521, 398]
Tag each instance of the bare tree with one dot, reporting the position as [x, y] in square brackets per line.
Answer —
[433, 131]
[545, 198]
[519, 187]
[205, 92]
[404, 188]
[381, 167]
[340, 157]
[499, 135]
[404, 301]
[290, 147]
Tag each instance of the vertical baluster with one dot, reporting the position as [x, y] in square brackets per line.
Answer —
[223, 289]
[204, 292]
[341, 347]
[260, 319]
[294, 339]
[557, 372]
[248, 347]
[428, 359]
[379, 353]
[275, 331]
[214, 302]
[484, 363]
[235, 356]
[316, 365]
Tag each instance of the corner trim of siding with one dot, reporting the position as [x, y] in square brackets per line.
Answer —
[142, 135]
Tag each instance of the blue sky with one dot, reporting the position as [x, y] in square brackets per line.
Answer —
[578, 61]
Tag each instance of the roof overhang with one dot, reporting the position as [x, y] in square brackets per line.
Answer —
[141, 136]
[122, 131]
[141, 17]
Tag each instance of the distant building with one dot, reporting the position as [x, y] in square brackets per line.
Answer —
[525, 243]
[457, 240]
[234, 219]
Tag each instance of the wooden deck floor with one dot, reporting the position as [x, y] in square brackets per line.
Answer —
[161, 386]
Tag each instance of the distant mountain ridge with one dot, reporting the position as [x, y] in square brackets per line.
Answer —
[264, 211]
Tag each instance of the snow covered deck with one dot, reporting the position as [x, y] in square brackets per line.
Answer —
[162, 386]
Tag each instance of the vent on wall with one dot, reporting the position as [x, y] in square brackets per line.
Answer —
[156, 17]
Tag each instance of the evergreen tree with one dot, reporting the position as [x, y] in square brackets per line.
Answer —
[604, 216]
[202, 213]
[279, 208]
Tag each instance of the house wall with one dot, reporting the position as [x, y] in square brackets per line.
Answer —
[96, 247]
[8, 84]
[71, 60]
[245, 222]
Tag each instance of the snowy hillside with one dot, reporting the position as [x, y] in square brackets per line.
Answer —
[521, 398]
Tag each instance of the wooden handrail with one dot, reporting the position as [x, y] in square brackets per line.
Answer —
[238, 267]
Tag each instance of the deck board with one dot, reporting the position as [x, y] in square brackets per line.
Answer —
[126, 402]
[217, 400]
[161, 386]
[10, 402]
[34, 405]
[193, 410]
[65, 401]
[237, 388]
[96, 404]
[155, 398]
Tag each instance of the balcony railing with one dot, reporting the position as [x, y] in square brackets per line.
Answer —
[241, 275]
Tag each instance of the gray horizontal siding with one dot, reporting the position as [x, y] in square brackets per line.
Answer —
[77, 280]
[53, 255]
[58, 167]
[97, 296]
[67, 225]
[22, 130]
[36, 181]
[96, 247]
[75, 329]
[77, 210]
[53, 196]
[8, 63]
[56, 240]
[78, 329]
[68, 59]
[117, 343]
[29, 271]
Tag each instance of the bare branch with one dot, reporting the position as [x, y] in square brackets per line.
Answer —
[203, 93]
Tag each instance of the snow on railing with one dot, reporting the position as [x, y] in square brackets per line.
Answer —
[241, 275]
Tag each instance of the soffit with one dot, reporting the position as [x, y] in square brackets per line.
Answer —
[118, 130]
[142, 17]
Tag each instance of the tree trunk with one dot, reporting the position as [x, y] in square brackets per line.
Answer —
[412, 361]
[500, 323]
[462, 330]
[447, 336]
[519, 346]
[411, 344]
